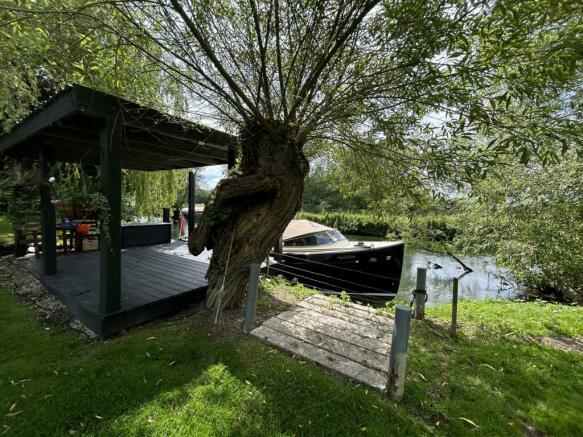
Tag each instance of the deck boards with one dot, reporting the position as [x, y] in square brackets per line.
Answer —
[346, 338]
[153, 282]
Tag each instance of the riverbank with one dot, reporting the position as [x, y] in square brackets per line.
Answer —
[438, 227]
[178, 377]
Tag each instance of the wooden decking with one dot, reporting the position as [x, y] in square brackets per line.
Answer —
[155, 280]
[346, 338]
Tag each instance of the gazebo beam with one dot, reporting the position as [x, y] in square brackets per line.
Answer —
[199, 154]
[47, 216]
[110, 249]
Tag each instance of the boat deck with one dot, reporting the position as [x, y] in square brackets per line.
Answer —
[155, 280]
[346, 338]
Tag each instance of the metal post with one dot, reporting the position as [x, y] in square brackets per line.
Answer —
[398, 355]
[191, 188]
[278, 249]
[251, 298]
[48, 221]
[166, 215]
[454, 306]
[420, 293]
[267, 265]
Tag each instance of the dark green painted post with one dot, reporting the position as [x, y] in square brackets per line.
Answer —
[420, 293]
[47, 217]
[454, 306]
[191, 211]
[110, 251]
[231, 158]
[278, 249]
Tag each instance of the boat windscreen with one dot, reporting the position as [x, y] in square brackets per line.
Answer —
[336, 235]
[317, 239]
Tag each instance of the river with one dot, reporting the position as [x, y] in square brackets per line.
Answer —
[485, 282]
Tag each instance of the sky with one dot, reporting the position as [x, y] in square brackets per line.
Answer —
[213, 174]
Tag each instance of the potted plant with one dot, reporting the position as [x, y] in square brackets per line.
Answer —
[76, 197]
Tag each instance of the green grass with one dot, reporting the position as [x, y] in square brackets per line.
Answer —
[6, 234]
[176, 378]
[536, 318]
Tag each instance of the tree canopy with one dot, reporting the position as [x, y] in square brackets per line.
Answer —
[397, 88]
[42, 52]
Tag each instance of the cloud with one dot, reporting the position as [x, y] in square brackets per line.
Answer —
[213, 174]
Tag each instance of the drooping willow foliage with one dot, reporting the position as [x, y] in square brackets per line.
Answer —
[148, 192]
[41, 54]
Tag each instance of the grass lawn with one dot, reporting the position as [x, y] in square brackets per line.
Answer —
[6, 234]
[176, 378]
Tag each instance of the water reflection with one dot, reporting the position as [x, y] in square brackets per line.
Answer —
[487, 281]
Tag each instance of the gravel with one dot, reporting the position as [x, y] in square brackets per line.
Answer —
[51, 312]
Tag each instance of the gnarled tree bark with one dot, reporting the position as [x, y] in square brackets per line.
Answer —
[250, 208]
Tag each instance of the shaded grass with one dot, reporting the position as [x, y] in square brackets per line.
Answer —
[174, 378]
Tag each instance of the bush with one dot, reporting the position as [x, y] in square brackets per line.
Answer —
[352, 223]
[422, 230]
[531, 219]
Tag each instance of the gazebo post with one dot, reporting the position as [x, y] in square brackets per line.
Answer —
[47, 217]
[231, 157]
[191, 211]
[110, 247]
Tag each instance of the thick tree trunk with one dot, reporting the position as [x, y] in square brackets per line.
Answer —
[250, 209]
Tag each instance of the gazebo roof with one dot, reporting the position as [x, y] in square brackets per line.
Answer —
[70, 125]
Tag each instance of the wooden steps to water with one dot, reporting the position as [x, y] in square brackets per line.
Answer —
[344, 337]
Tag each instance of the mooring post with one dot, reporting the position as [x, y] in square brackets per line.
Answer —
[420, 293]
[454, 306]
[278, 249]
[267, 265]
[251, 298]
[398, 356]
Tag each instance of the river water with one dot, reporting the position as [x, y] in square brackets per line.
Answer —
[487, 281]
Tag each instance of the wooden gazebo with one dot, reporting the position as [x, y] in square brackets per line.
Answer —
[84, 125]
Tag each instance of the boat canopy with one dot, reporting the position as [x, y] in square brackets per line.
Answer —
[297, 228]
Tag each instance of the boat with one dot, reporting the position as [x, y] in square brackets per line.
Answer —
[321, 257]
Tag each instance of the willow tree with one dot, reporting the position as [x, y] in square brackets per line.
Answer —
[360, 75]
[42, 52]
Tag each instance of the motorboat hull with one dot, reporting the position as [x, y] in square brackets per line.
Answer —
[367, 272]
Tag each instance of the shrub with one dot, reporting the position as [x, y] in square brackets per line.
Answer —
[422, 230]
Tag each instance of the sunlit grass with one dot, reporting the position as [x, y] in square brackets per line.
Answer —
[520, 318]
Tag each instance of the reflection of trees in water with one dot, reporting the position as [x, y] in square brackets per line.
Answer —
[485, 281]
